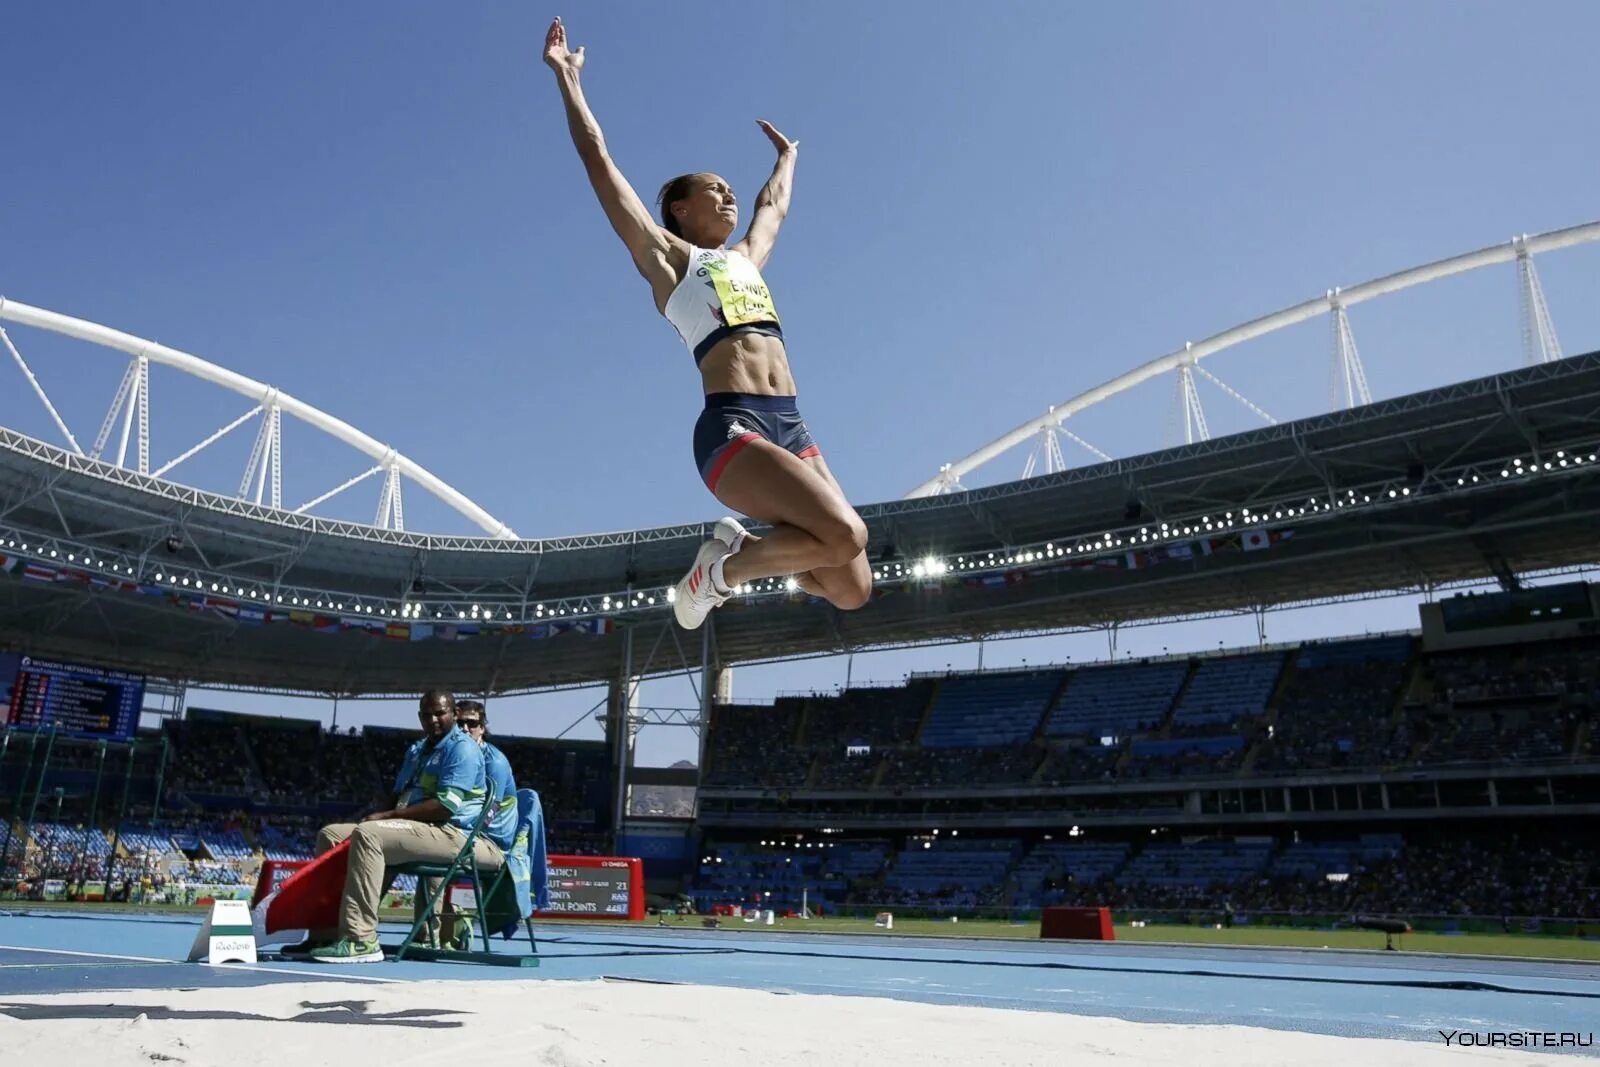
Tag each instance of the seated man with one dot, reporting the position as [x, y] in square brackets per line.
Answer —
[439, 794]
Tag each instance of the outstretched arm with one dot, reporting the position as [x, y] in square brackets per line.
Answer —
[647, 242]
[773, 203]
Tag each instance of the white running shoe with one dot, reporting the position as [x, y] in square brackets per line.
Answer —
[696, 594]
[730, 532]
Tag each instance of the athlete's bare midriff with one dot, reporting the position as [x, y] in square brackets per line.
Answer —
[748, 363]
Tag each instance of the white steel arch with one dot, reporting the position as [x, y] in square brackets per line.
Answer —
[1518, 249]
[270, 402]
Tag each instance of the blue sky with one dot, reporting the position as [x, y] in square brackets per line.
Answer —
[376, 207]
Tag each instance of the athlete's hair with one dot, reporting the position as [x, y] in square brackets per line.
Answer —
[671, 193]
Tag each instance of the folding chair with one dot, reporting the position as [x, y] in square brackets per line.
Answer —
[465, 859]
[507, 903]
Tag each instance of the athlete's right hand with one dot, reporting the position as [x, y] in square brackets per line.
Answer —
[556, 53]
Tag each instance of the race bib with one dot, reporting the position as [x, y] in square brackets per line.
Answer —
[741, 292]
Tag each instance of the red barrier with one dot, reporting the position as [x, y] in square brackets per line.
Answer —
[1076, 924]
[273, 874]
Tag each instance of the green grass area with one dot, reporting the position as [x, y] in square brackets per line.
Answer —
[1569, 948]
[1530, 945]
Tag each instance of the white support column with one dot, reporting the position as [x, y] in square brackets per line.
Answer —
[104, 436]
[1350, 376]
[381, 519]
[277, 456]
[127, 417]
[396, 505]
[723, 690]
[144, 415]
[1194, 416]
[258, 456]
[1539, 341]
[264, 463]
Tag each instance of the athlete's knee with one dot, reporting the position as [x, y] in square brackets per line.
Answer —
[852, 596]
[843, 539]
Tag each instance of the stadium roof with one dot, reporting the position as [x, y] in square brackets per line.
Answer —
[1402, 494]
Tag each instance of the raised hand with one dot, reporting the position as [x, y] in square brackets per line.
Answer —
[557, 54]
[779, 141]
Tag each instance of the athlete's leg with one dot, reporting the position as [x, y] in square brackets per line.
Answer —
[850, 586]
[813, 526]
[846, 587]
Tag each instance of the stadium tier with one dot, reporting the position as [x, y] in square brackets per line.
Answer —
[1130, 784]
[1363, 703]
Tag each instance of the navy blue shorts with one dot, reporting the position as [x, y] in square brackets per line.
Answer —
[732, 420]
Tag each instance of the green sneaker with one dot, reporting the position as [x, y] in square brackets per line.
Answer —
[349, 950]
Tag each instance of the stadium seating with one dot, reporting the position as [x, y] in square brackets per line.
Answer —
[1339, 706]
[1114, 701]
[989, 710]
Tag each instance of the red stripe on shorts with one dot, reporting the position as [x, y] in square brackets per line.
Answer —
[809, 451]
[729, 450]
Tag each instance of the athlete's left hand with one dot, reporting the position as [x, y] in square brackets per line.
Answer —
[779, 141]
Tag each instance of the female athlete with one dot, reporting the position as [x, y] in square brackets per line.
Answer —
[750, 443]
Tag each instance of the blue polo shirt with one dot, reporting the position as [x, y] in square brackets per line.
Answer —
[502, 825]
[451, 771]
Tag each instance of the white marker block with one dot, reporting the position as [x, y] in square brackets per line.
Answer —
[226, 936]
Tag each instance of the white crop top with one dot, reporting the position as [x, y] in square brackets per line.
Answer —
[721, 294]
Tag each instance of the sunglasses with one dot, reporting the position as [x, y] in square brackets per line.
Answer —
[470, 724]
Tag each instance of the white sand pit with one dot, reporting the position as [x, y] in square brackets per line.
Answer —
[621, 1024]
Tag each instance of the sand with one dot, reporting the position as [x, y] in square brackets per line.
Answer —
[621, 1024]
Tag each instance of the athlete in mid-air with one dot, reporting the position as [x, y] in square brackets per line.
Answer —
[750, 443]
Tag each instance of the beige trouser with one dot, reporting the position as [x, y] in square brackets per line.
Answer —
[376, 846]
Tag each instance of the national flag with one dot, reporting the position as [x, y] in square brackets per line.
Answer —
[1180, 550]
[38, 572]
[397, 631]
[9, 563]
[1255, 540]
[421, 631]
[219, 605]
[325, 624]
[252, 615]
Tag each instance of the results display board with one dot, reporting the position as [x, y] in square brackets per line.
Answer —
[76, 699]
[595, 887]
